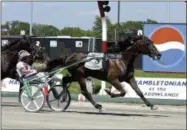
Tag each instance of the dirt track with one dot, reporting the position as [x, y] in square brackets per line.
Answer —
[84, 116]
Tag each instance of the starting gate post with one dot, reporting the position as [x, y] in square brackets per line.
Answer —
[103, 7]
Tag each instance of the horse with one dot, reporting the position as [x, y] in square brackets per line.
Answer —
[9, 55]
[115, 70]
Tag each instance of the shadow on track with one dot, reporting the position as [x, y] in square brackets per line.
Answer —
[90, 113]
[116, 114]
[12, 104]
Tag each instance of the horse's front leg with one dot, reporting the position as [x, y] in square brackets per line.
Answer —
[113, 78]
[88, 96]
[116, 83]
[134, 85]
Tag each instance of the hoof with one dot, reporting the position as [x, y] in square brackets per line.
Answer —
[154, 107]
[98, 106]
[102, 110]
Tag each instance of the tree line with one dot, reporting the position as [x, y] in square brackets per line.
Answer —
[14, 28]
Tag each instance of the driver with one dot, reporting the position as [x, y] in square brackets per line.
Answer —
[24, 65]
[24, 68]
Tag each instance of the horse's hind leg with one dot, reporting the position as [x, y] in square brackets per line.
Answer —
[84, 91]
[134, 85]
[88, 96]
[116, 83]
[67, 79]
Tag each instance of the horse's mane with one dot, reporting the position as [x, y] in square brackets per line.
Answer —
[8, 46]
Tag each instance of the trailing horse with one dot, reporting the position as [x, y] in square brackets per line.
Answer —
[9, 55]
[115, 70]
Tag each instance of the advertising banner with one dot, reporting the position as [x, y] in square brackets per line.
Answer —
[10, 85]
[157, 88]
[170, 40]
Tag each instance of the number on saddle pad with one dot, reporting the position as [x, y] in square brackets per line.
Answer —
[95, 64]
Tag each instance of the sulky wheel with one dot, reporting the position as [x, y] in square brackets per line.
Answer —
[58, 98]
[34, 103]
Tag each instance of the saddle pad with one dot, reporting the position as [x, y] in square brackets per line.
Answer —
[94, 64]
[94, 54]
[114, 56]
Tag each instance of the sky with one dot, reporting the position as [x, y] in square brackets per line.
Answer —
[82, 14]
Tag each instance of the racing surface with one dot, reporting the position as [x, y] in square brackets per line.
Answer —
[82, 115]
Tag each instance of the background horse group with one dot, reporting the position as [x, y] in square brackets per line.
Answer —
[114, 71]
[9, 55]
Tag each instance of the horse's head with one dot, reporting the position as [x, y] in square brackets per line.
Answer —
[39, 52]
[25, 44]
[145, 46]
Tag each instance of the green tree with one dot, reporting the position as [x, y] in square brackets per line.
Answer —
[17, 26]
[151, 21]
[14, 27]
[129, 25]
[97, 27]
[5, 28]
[132, 25]
[89, 33]
[45, 30]
[73, 31]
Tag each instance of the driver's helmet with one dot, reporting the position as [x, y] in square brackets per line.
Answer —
[23, 54]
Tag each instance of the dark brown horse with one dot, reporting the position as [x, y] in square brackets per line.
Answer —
[115, 70]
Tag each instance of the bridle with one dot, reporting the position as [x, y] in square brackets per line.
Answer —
[36, 50]
[134, 43]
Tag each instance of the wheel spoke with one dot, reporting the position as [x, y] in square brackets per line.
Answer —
[36, 104]
[25, 95]
[28, 104]
[52, 100]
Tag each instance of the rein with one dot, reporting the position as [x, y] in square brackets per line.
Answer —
[132, 53]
